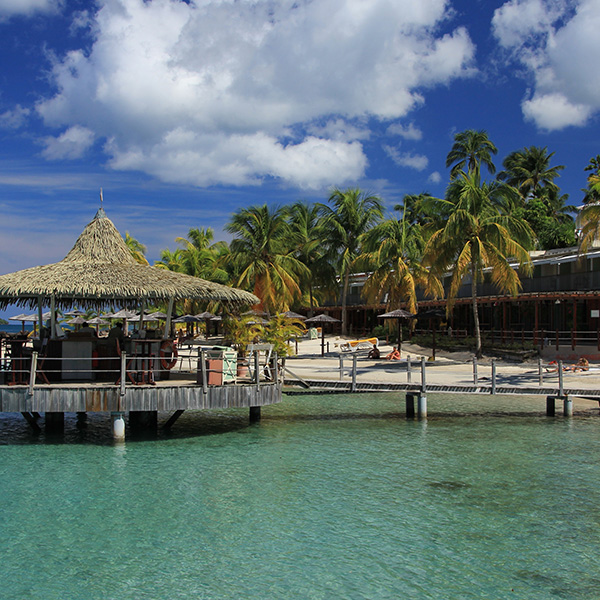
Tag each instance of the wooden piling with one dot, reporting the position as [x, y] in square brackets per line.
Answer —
[55, 422]
[354, 358]
[254, 415]
[410, 405]
[550, 406]
[422, 406]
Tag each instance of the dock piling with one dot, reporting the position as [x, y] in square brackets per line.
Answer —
[550, 406]
[567, 406]
[118, 426]
[254, 415]
[410, 405]
[422, 406]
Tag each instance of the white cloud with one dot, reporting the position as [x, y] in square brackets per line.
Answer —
[407, 159]
[408, 132]
[221, 87]
[435, 177]
[71, 144]
[557, 43]
[11, 8]
[13, 119]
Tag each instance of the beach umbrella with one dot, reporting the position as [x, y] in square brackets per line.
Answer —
[290, 314]
[206, 316]
[432, 314]
[21, 318]
[323, 318]
[77, 321]
[400, 315]
[255, 313]
[159, 315]
[122, 314]
[97, 321]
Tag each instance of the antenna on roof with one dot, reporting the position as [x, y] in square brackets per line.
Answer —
[101, 199]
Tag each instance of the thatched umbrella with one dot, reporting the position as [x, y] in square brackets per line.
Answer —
[100, 270]
[290, 314]
[323, 318]
[432, 314]
[401, 315]
[206, 316]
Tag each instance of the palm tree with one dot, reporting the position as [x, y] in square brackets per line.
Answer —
[201, 257]
[263, 255]
[480, 233]
[353, 213]
[529, 171]
[591, 193]
[307, 235]
[588, 219]
[173, 261]
[471, 149]
[392, 254]
[137, 249]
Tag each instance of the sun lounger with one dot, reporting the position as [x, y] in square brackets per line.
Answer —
[354, 345]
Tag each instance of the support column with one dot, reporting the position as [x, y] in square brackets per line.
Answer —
[567, 406]
[550, 406]
[81, 419]
[422, 406]
[254, 414]
[118, 426]
[410, 405]
[55, 422]
[143, 421]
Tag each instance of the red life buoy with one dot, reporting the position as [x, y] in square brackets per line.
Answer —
[168, 354]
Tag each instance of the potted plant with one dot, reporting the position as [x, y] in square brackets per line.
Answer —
[240, 333]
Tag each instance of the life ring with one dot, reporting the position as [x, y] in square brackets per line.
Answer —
[168, 354]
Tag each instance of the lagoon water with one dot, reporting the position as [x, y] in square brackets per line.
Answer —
[327, 497]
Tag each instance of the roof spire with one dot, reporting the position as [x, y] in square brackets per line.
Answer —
[101, 214]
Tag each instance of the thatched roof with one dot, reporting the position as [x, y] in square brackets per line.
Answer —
[100, 269]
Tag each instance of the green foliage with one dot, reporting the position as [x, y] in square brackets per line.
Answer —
[282, 330]
[471, 149]
[241, 332]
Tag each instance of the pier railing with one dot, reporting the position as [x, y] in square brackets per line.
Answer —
[35, 369]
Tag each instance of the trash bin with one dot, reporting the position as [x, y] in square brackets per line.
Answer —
[221, 365]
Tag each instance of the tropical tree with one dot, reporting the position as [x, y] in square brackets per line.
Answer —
[470, 150]
[529, 171]
[351, 214]
[263, 255]
[588, 219]
[137, 249]
[200, 256]
[591, 193]
[306, 237]
[280, 331]
[480, 233]
[172, 261]
[392, 253]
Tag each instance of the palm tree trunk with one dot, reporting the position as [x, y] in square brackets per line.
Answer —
[478, 349]
[344, 298]
[311, 310]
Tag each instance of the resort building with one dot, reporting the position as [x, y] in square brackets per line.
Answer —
[558, 305]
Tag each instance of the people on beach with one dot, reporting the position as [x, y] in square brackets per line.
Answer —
[581, 365]
[374, 352]
[394, 354]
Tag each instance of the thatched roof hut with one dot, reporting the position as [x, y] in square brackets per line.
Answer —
[100, 270]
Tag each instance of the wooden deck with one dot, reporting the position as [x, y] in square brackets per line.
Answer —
[165, 395]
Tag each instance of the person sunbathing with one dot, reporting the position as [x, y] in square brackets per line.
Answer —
[374, 352]
[394, 354]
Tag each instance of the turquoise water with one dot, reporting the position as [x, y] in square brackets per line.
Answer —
[327, 497]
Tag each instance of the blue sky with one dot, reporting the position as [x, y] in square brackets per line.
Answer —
[186, 111]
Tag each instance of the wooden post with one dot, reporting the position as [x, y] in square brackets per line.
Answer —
[408, 369]
[256, 369]
[475, 377]
[55, 422]
[493, 375]
[203, 372]
[540, 372]
[550, 406]
[574, 328]
[410, 405]
[276, 368]
[254, 415]
[354, 359]
[423, 380]
[537, 322]
[341, 367]
[34, 357]
[560, 378]
[123, 372]
[422, 406]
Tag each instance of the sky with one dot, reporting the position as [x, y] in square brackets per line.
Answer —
[185, 111]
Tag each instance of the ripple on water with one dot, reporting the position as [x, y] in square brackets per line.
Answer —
[305, 504]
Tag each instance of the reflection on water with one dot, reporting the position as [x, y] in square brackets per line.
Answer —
[327, 497]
